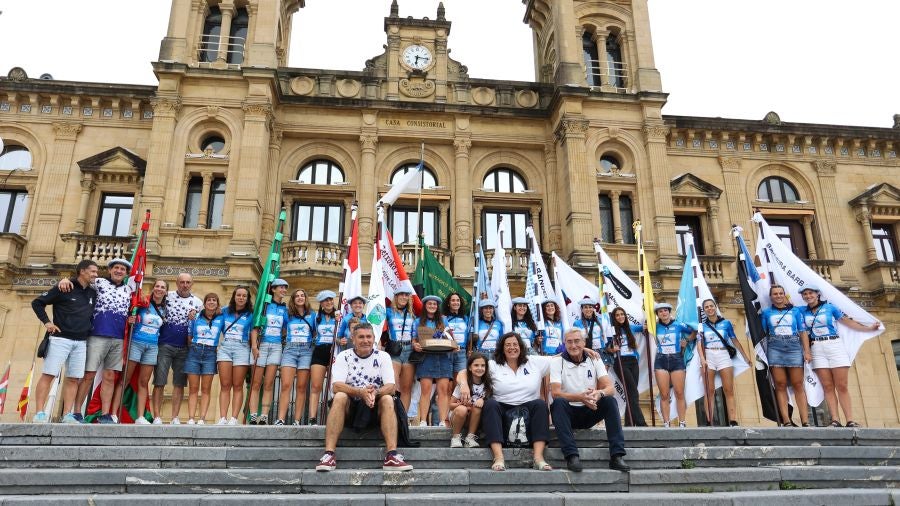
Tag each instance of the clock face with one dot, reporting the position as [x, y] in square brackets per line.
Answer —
[417, 57]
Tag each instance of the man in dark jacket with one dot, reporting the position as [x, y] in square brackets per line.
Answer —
[72, 320]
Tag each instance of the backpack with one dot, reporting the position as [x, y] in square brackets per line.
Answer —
[515, 420]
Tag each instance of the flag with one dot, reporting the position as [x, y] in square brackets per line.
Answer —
[646, 283]
[23, 398]
[4, 387]
[376, 312]
[351, 287]
[411, 182]
[748, 278]
[432, 279]
[392, 270]
[499, 284]
[574, 288]
[558, 296]
[608, 333]
[51, 397]
[270, 271]
[537, 285]
[481, 288]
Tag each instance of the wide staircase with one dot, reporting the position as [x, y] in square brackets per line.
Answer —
[140, 465]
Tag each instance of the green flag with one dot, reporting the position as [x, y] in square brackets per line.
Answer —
[432, 279]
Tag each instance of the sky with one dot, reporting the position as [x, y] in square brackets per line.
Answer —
[811, 61]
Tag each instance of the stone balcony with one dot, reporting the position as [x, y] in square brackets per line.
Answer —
[516, 263]
[718, 269]
[883, 278]
[312, 257]
[407, 254]
[825, 268]
[99, 248]
[12, 249]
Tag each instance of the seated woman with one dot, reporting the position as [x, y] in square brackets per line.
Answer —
[468, 414]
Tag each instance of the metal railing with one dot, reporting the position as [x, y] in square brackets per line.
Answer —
[208, 50]
[604, 73]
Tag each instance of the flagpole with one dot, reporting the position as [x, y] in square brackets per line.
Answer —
[476, 298]
[421, 167]
[605, 310]
[703, 370]
[129, 327]
[642, 257]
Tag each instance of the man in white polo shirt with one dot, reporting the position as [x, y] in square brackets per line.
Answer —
[583, 395]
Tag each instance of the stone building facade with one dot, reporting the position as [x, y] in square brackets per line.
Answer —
[230, 135]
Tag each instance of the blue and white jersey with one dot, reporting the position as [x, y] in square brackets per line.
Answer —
[709, 337]
[301, 329]
[276, 323]
[595, 329]
[668, 337]
[488, 334]
[820, 322]
[553, 338]
[149, 321]
[237, 326]
[624, 349]
[460, 326]
[205, 330]
[521, 327]
[111, 309]
[400, 324]
[783, 322]
[175, 329]
[344, 330]
[325, 328]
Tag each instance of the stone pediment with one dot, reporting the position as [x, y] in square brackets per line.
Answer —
[691, 185]
[883, 194]
[117, 159]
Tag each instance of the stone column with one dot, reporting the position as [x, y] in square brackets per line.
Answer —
[87, 186]
[864, 217]
[204, 200]
[580, 209]
[443, 224]
[661, 194]
[807, 233]
[272, 197]
[368, 189]
[461, 242]
[288, 203]
[568, 70]
[185, 181]
[835, 233]
[714, 226]
[254, 155]
[477, 208]
[602, 64]
[738, 207]
[44, 242]
[227, 10]
[159, 171]
[554, 235]
[616, 216]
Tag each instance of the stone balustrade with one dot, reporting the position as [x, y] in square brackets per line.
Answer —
[99, 248]
[308, 256]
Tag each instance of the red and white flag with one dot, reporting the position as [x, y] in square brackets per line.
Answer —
[4, 386]
[352, 284]
[393, 272]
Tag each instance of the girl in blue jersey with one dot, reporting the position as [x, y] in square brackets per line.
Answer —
[717, 335]
[488, 328]
[671, 338]
[787, 347]
[591, 328]
[436, 368]
[523, 323]
[297, 356]
[233, 355]
[830, 357]
[200, 366]
[145, 343]
[551, 341]
[267, 354]
[623, 348]
[458, 320]
[326, 326]
[400, 322]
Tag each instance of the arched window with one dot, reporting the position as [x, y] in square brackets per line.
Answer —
[504, 180]
[614, 61]
[777, 189]
[428, 178]
[209, 41]
[609, 164]
[15, 157]
[215, 142]
[591, 59]
[321, 172]
[239, 26]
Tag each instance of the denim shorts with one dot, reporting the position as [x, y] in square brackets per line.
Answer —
[65, 351]
[784, 351]
[170, 357]
[269, 354]
[297, 355]
[435, 366]
[143, 353]
[669, 362]
[234, 351]
[201, 359]
[459, 360]
[403, 357]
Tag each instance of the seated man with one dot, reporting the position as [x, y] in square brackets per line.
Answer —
[583, 395]
[362, 380]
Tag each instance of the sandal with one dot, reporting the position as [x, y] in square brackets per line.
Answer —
[804, 424]
[498, 465]
[852, 424]
[542, 466]
[835, 423]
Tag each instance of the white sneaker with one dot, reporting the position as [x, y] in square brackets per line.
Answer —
[232, 421]
[423, 423]
[141, 421]
[471, 441]
[157, 421]
[115, 418]
[456, 441]
[201, 422]
[667, 424]
[222, 421]
[682, 424]
[189, 422]
[176, 421]
[442, 424]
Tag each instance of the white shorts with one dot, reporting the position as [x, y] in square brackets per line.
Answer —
[829, 354]
[717, 360]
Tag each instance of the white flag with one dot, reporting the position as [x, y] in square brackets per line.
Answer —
[376, 312]
[499, 284]
[411, 182]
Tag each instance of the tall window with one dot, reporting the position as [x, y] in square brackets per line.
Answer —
[209, 42]
[321, 172]
[513, 228]
[115, 215]
[238, 36]
[614, 61]
[626, 219]
[504, 180]
[776, 189]
[215, 206]
[885, 245]
[12, 210]
[791, 234]
[15, 157]
[688, 225]
[591, 59]
[405, 225]
[626, 216]
[428, 178]
[607, 227]
[318, 222]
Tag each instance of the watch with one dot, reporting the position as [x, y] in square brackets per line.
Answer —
[417, 57]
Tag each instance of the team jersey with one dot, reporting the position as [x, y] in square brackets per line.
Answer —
[595, 330]
[236, 326]
[460, 326]
[325, 328]
[205, 330]
[149, 321]
[521, 327]
[783, 322]
[400, 324]
[111, 309]
[276, 323]
[822, 321]
[668, 337]
[488, 334]
[175, 329]
[553, 343]
[624, 349]
[301, 329]
[344, 330]
[710, 338]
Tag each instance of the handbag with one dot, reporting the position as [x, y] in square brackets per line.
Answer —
[416, 357]
[732, 351]
[393, 348]
[45, 344]
[515, 421]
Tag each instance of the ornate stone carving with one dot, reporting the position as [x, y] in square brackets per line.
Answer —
[348, 88]
[212, 111]
[197, 272]
[259, 110]
[67, 131]
[526, 99]
[368, 142]
[462, 146]
[417, 88]
[655, 133]
[730, 163]
[17, 74]
[302, 85]
[483, 96]
[164, 106]
[555, 240]
[772, 118]
[463, 232]
[277, 134]
[571, 127]
[826, 167]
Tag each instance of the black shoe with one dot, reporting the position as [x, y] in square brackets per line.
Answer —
[733, 423]
[617, 463]
[573, 463]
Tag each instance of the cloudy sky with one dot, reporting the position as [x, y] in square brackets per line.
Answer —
[809, 60]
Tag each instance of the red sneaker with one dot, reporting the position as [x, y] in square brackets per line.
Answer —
[395, 462]
[327, 462]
